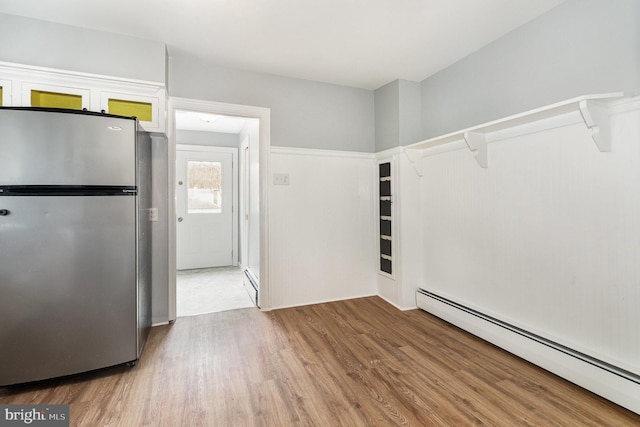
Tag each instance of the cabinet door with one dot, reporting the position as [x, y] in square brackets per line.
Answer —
[5, 92]
[50, 96]
[146, 108]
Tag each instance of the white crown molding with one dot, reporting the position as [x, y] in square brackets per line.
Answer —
[98, 79]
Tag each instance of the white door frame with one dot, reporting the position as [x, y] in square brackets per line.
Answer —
[235, 188]
[264, 116]
[243, 203]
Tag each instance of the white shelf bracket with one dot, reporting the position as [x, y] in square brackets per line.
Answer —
[596, 117]
[414, 156]
[477, 143]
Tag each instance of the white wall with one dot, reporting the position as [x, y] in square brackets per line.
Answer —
[546, 238]
[409, 205]
[322, 227]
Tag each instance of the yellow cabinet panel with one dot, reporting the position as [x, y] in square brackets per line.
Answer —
[142, 110]
[0, 96]
[40, 98]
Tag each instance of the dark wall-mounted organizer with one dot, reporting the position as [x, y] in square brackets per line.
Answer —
[384, 194]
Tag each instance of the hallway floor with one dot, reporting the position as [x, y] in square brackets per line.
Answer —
[210, 290]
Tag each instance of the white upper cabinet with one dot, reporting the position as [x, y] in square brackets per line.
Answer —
[28, 86]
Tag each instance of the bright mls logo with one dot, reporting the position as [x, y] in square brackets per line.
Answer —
[34, 415]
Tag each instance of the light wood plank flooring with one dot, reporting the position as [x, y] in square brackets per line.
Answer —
[350, 363]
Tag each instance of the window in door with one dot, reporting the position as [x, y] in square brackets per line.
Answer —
[204, 191]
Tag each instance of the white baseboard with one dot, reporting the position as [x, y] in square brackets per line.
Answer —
[323, 301]
[616, 388]
[396, 305]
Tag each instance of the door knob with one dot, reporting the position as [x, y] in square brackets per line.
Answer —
[179, 219]
[4, 212]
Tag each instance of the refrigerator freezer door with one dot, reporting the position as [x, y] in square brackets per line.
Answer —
[68, 301]
[56, 148]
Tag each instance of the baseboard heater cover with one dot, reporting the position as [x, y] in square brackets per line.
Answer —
[253, 285]
[609, 381]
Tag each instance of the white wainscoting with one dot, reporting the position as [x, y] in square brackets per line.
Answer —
[547, 238]
[322, 226]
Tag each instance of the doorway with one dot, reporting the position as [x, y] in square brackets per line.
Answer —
[200, 147]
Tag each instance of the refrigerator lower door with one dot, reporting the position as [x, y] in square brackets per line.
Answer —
[68, 285]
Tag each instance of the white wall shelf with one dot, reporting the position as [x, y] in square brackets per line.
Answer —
[593, 110]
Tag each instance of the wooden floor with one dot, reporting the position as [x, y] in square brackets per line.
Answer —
[351, 363]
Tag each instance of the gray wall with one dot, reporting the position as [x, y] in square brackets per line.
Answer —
[207, 138]
[387, 105]
[397, 114]
[34, 42]
[580, 47]
[160, 231]
[304, 114]
[409, 113]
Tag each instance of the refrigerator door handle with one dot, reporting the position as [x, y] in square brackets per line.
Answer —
[4, 212]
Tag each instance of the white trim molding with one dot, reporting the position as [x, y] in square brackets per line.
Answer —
[321, 153]
[264, 116]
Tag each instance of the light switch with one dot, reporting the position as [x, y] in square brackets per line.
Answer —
[280, 179]
[153, 214]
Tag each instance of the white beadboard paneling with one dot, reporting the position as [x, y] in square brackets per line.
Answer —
[388, 288]
[322, 227]
[410, 223]
[546, 238]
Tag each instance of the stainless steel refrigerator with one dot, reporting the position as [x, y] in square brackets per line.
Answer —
[75, 266]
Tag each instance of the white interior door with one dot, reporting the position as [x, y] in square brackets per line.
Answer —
[204, 208]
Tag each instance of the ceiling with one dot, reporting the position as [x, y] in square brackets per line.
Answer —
[206, 122]
[358, 43]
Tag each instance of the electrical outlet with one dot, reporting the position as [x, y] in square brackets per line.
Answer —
[280, 179]
[153, 214]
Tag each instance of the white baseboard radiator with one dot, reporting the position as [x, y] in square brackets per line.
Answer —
[609, 381]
